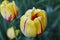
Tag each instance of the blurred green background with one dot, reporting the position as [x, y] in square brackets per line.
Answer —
[52, 8]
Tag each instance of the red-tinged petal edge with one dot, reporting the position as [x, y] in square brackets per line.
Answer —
[25, 24]
[41, 29]
[9, 18]
[4, 12]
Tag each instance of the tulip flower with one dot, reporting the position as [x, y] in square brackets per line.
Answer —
[11, 33]
[33, 22]
[8, 10]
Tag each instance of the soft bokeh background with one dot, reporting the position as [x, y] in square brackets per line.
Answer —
[52, 8]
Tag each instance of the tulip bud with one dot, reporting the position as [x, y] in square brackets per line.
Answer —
[33, 22]
[8, 10]
[11, 33]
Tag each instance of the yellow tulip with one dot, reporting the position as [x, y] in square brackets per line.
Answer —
[8, 10]
[11, 34]
[33, 22]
